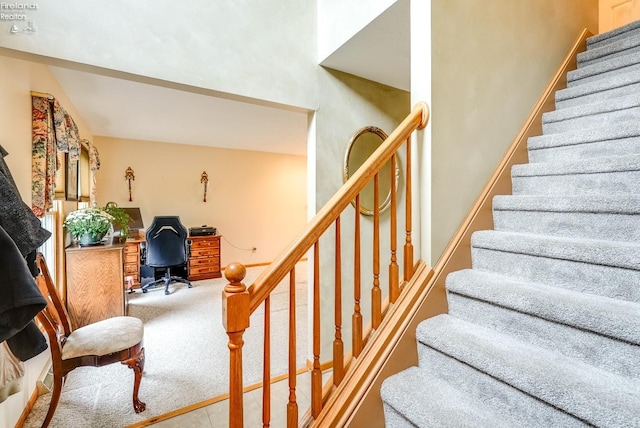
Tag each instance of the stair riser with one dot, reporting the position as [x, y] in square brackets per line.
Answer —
[617, 227]
[575, 79]
[596, 279]
[619, 182]
[619, 147]
[614, 54]
[609, 354]
[395, 419]
[598, 96]
[610, 118]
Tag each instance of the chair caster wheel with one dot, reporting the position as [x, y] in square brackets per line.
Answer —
[167, 292]
[144, 290]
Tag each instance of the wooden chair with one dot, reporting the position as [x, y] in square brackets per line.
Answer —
[97, 344]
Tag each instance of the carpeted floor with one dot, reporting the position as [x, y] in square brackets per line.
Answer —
[187, 359]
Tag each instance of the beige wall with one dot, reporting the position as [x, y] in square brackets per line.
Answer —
[17, 79]
[491, 61]
[255, 199]
[347, 104]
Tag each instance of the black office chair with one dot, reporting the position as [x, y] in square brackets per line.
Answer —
[166, 247]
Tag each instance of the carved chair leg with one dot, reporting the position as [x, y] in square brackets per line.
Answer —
[58, 381]
[136, 363]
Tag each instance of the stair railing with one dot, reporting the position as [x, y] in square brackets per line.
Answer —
[240, 301]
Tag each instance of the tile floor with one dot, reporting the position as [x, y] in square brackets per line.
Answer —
[217, 415]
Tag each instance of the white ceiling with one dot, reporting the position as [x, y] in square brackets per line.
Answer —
[120, 108]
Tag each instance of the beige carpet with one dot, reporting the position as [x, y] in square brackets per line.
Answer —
[187, 359]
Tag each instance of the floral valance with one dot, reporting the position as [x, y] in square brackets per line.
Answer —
[54, 132]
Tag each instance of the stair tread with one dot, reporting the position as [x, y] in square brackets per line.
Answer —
[594, 71]
[607, 164]
[612, 35]
[617, 319]
[625, 102]
[598, 203]
[598, 252]
[597, 86]
[439, 403]
[626, 129]
[601, 52]
[589, 393]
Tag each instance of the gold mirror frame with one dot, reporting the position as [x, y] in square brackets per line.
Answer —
[363, 143]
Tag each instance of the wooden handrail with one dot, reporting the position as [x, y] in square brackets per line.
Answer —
[274, 273]
[239, 302]
[371, 366]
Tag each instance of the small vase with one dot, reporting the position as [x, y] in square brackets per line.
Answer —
[88, 239]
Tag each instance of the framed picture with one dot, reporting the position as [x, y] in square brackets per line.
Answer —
[72, 179]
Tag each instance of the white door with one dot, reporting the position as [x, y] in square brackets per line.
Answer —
[616, 13]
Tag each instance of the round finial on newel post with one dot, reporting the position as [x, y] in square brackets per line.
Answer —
[235, 273]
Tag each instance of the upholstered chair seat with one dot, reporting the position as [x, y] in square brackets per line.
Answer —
[103, 337]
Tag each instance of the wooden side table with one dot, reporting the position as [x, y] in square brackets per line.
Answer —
[204, 257]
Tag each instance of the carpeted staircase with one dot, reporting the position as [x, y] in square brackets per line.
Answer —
[544, 330]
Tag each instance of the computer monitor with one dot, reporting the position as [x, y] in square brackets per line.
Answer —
[135, 224]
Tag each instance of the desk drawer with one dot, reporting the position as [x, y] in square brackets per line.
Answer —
[131, 269]
[206, 243]
[204, 252]
[131, 258]
[204, 261]
[130, 249]
[204, 272]
[203, 269]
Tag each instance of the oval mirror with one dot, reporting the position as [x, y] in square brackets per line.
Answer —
[362, 145]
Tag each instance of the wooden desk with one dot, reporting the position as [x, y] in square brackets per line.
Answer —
[95, 283]
[204, 257]
[132, 259]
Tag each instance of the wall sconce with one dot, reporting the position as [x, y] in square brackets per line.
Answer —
[204, 179]
[128, 175]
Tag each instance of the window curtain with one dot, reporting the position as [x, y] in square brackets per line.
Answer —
[54, 131]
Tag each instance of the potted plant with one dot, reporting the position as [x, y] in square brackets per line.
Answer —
[120, 217]
[88, 225]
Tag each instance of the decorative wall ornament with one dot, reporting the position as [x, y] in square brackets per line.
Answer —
[204, 179]
[128, 175]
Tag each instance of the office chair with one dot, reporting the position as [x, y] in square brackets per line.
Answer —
[97, 344]
[166, 247]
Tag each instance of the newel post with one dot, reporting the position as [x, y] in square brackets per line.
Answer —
[235, 318]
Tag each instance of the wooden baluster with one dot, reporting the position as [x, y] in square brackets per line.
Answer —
[357, 315]
[338, 345]
[394, 275]
[235, 318]
[376, 292]
[266, 367]
[316, 373]
[292, 406]
[408, 246]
